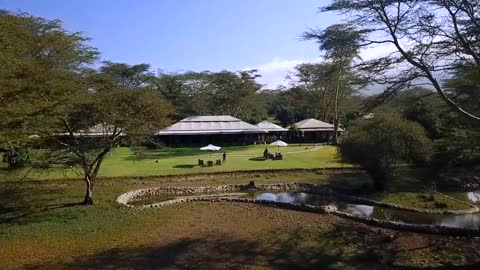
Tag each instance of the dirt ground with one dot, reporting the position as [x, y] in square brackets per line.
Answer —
[244, 236]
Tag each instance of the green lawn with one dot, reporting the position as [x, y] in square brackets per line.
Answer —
[41, 227]
[122, 162]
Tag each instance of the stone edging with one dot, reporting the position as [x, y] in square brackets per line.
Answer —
[419, 228]
[190, 191]
[311, 188]
[316, 189]
[353, 199]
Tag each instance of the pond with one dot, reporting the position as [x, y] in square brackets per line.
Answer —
[470, 221]
[459, 221]
[292, 198]
[473, 197]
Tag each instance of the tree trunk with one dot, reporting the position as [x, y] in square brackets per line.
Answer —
[89, 191]
[335, 118]
[379, 184]
[379, 179]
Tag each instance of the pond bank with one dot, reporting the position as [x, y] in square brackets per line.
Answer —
[216, 194]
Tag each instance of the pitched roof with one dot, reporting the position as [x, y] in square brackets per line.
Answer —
[269, 126]
[99, 130]
[314, 125]
[204, 125]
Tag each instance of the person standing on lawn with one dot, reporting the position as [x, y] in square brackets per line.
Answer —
[224, 157]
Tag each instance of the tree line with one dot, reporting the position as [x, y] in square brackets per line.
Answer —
[51, 83]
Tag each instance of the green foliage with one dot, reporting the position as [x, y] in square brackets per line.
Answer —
[419, 105]
[114, 106]
[214, 93]
[339, 42]
[47, 89]
[429, 38]
[461, 148]
[341, 45]
[381, 144]
[464, 88]
[16, 157]
[128, 76]
[40, 68]
[291, 105]
[427, 117]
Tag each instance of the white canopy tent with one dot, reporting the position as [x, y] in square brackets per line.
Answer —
[210, 148]
[279, 143]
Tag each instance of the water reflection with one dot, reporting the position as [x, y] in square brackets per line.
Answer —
[293, 198]
[459, 221]
[473, 197]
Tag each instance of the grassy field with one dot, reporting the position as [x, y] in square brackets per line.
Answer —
[42, 227]
[122, 162]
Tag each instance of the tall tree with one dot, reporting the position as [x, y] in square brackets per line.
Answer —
[340, 44]
[316, 80]
[128, 76]
[429, 38]
[49, 96]
[95, 122]
[41, 66]
[204, 93]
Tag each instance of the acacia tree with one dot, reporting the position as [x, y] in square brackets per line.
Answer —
[47, 88]
[340, 44]
[429, 39]
[316, 80]
[108, 112]
[41, 67]
[224, 92]
[98, 124]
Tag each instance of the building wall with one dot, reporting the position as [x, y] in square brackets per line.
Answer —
[244, 139]
[202, 140]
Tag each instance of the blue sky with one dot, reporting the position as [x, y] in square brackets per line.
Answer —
[179, 35]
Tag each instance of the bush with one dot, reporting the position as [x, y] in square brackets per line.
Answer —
[382, 143]
[16, 158]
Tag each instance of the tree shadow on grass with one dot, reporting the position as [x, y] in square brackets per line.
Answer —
[284, 248]
[184, 166]
[257, 159]
[20, 206]
[347, 246]
[211, 252]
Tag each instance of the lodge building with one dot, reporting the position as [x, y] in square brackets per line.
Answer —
[227, 130]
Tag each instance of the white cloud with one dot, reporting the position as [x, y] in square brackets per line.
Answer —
[274, 72]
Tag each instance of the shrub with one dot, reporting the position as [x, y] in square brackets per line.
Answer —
[382, 143]
[16, 158]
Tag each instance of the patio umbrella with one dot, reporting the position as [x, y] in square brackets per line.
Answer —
[279, 143]
[210, 148]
